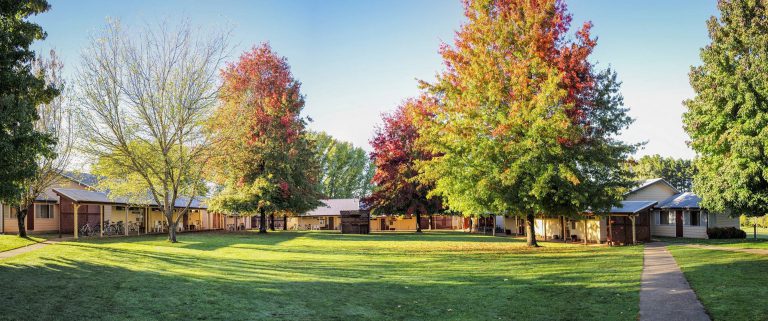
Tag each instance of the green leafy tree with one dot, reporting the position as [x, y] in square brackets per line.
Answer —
[54, 121]
[346, 171]
[728, 116]
[266, 163]
[524, 124]
[22, 145]
[678, 172]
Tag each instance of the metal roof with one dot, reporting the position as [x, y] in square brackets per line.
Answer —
[333, 207]
[682, 200]
[632, 207]
[83, 196]
[85, 179]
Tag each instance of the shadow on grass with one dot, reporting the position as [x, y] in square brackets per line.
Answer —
[81, 280]
[731, 286]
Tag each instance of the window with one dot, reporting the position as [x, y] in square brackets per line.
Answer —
[43, 211]
[664, 217]
[10, 212]
[695, 218]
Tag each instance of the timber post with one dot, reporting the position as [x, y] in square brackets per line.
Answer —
[101, 221]
[76, 206]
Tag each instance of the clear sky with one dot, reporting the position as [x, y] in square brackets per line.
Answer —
[357, 59]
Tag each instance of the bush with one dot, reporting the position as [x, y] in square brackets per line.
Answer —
[726, 233]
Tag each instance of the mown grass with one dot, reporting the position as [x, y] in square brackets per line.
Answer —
[315, 275]
[748, 243]
[10, 242]
[762, 232]
[730, 285]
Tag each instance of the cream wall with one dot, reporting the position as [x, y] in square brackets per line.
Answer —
[658, 191]
[710, 219]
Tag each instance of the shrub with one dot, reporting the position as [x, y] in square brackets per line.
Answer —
[725, 233]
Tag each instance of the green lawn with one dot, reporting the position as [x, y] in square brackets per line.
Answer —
[731, 285]
[10, 242]
[762, 232]
[748, 243]
[316, 275]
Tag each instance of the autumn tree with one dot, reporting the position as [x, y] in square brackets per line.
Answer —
[265, 162]
[346, 171]
[22, 91]
[142, 99]
[727, 117]
[524, 124]
[395, 154]
[677, 171]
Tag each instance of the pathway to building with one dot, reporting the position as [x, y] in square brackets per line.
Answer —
[664, 293]
[28, 248]
[732, 249]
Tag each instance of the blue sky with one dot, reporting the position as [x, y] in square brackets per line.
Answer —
[357, 59]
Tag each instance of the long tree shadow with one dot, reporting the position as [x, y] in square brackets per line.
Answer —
[247, 290]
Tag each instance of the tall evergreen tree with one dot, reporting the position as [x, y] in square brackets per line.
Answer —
[264, 160]
[21, 91]
[524, 124]
[728, 116]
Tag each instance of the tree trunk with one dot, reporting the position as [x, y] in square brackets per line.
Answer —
[172, 232]
[262, 222]
[285, 222]
[531, 237]
[21, 216]
[418, 222]
[494, 225]
[272, 222]
[431, 221]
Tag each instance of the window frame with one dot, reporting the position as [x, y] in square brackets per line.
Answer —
[664, 213]
[50, 212]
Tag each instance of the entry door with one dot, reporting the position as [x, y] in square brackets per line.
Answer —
[330, 223]
[679, 224]
[31, 218]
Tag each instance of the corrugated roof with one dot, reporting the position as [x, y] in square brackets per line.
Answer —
[333, 207]
[82, 196]
[632, 207]
[681, 200]
[85, 179]
[648, 182]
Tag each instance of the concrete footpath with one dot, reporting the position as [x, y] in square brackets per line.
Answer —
[25, 249]
[664, 292]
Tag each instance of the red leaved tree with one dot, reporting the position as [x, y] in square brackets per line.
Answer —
[265, 162]
[395, 155]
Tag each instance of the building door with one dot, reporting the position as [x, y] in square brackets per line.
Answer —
[31, 218]
[383, 224]
[679, 224]
[330, 223]
[186, 220]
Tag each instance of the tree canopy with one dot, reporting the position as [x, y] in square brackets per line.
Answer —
[395, 154]
[143, 98]
[21, 92]
[346, 171]
[523, 123]
[264, 160]
[678, 172]
[728, 116]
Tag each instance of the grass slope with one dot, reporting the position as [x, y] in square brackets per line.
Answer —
[730, 285]
[315, 275]
[10, 242]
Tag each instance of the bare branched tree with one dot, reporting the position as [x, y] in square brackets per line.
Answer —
[55, 121]
[143, 98]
